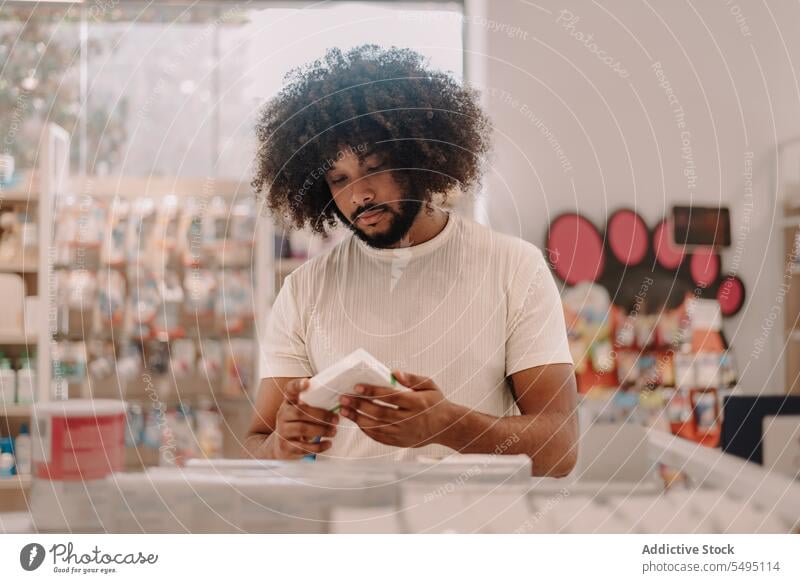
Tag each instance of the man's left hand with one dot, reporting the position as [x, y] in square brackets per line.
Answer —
[414, 418]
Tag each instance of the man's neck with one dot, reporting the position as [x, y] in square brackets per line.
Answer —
[429, 222]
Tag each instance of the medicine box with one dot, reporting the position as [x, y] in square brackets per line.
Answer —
[358, 367]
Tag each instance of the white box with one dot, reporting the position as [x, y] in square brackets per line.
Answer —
[358, 367]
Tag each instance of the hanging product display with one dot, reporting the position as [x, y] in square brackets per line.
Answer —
[201, 293]
[110, 298]
[139, 240]
[190, 234]
[167, 322]
[114, 247]
[145, 300]
[234, 303]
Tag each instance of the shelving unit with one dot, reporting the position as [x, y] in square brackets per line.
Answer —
[15, 484]
[41, 191]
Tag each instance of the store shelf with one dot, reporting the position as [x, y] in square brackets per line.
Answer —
[15, 411]
[15, 483]
[26, 189]
[18, 266]
[16, 339]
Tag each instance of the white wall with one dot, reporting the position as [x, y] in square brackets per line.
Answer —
[620, 138]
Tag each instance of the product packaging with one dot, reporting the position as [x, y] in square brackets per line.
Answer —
[113, 254]
[22, 451]
[357, 367]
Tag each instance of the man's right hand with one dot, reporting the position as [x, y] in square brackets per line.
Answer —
[297, 425]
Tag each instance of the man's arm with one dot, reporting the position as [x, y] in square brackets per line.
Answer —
[284, 428]
[547, 429]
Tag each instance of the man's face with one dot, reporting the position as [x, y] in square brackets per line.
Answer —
[369, 200]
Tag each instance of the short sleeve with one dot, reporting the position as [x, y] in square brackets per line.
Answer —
[535, 333]
[283, 353]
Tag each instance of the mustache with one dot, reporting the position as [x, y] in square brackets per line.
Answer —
[368, 208]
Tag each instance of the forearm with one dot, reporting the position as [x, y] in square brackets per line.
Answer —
[549, 439]
[260, 445]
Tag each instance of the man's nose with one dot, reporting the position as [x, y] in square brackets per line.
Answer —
[362, 192]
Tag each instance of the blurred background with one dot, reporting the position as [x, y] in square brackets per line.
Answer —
[652, 150]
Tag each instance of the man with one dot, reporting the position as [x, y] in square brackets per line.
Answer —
[469, 319]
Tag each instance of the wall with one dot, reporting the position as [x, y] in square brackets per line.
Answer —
[576, 133]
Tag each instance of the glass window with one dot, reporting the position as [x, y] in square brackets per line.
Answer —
[174, 90]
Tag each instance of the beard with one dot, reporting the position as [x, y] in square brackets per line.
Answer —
[400, 222]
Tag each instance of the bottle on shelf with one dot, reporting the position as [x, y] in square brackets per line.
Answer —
[6, 465]
[8, 383]
[23, 451]
[26, 383]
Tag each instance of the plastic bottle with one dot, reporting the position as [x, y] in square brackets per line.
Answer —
[6, 465]
[209, 432]
[23, 450]
[26, 383]
[8, 383]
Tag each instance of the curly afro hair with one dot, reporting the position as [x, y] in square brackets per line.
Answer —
[431, 128]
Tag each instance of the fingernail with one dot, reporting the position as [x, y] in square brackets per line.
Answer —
[304, 384]
[335, 419]
[345, 412]
[359, 389]
[345, 400]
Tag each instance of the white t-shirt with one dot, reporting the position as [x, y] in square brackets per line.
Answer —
[467, 308]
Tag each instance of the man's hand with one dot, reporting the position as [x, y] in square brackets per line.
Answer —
[297, 425]
[414, 419]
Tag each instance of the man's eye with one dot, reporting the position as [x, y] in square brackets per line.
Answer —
[338, 180]
[375, 167]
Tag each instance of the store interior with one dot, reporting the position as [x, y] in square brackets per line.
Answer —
[138, 266]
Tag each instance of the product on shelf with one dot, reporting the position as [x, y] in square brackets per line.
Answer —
[208, 422]
[241, 236]
[12, 290]
[234, 304]
[26, 382]
[239, 371]
[102, 359]
[8, 383]
[201, 293]
[211, 359]
[23, 451]
[6, 465]
[153, 421]
[79, 232]
[182, 358]
[177, 439]
[167, 322]
[111, 298]
[165, 232]
[114, 249]
[140, 230]
[144, 301]
[190, 239]
[18, 237]
[134, 425]
[69, 360]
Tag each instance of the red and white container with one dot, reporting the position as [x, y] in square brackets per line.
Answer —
[77, 443]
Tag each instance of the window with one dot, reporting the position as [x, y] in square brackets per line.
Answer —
[174, 90]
